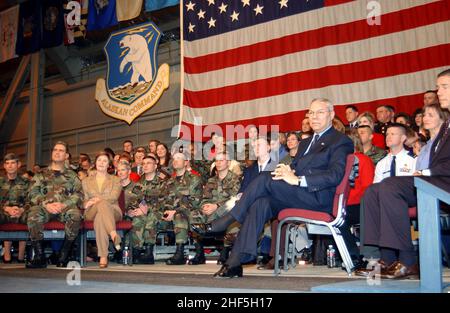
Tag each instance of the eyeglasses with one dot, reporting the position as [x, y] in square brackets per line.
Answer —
[319, 113]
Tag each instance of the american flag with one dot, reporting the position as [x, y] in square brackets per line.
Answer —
[262, 61]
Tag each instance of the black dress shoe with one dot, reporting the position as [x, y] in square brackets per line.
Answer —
[229, 272]
[203, 230]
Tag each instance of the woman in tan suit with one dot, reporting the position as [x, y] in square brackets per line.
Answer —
[102, 191]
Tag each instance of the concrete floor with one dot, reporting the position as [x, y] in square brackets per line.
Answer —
[189, 279]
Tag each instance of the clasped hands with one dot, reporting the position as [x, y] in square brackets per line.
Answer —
[286, 173]
[55, 207]
[139, 211]
[13, 211]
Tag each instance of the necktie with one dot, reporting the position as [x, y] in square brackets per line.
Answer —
[393, 166]
[314, 141]
[260, 168]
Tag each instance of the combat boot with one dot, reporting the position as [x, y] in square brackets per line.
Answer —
[136, 255]
[39, 260]
[199, 257]
[64, 254]
[178, 258]
[147, 257]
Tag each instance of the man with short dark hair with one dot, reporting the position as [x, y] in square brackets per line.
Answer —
[139, 155]
[128, 146]
[391, 111]
[264, 162]
[386, 204]
[84, 162]
[351, 115]
[152, 144]
[398, 162]
[429, 97]
[55, 193]
[384, 119]
[14, 205]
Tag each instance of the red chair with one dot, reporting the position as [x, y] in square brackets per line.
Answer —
[123, 228]
[53, 230]
[320, 220]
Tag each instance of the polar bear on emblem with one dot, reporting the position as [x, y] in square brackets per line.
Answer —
[138, 56]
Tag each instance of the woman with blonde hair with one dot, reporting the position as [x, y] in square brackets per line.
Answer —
[102, 191]
[367, 118]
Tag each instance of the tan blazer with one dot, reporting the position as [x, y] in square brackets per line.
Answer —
[110, 191]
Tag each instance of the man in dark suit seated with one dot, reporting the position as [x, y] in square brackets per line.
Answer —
[386, 204]
[310, 182]
[263, 163]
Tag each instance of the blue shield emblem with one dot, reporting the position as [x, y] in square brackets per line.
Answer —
[132, 65]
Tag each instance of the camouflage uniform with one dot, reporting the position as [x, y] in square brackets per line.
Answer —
[376, 154]
[145, 227]
[203, 168]
[14, 193]
[218, 192]
[55, 186]
[184, 195]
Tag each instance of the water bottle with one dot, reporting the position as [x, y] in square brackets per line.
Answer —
[331, 256]
[126, 256]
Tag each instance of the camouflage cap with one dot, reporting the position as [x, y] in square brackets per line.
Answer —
[10, 157]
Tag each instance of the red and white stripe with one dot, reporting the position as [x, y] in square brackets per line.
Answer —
[259, 76]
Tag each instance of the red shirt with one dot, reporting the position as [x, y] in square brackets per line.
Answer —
[364, 179]
[134, 177]
[379, 141]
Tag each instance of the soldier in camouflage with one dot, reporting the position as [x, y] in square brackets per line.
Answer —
[14, 204]
[199, 164]
[182, 194]
[217, 192]
[146, 212]
[55, 194]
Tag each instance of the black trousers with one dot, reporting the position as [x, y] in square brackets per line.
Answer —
[261, 201]
[386, 218]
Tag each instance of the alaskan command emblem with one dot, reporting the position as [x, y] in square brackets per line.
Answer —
[134, 83]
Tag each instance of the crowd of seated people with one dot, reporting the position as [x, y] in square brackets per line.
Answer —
[152, 185]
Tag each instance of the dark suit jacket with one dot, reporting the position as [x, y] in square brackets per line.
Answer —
[324, 165]
[250, 173]
[440, 157]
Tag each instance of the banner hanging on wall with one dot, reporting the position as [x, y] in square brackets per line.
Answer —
[134, 83]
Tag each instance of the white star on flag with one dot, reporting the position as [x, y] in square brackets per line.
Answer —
[245, 2]
[212, 23]
[201, 14]
[258, 9]
[223, 8]
[283, 3]
[191, 28]
[234, 16]
[210, 2]
[190, 6]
